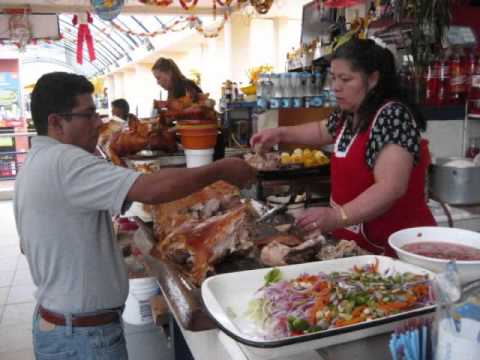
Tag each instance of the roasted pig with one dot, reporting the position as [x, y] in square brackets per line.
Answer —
[185, 108]
[201, 244]
[140, 135]
[217, 197]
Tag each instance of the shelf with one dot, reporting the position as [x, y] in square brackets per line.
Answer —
[242, 105]
[449, 112]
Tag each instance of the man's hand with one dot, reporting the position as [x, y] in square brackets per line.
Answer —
[237, 172]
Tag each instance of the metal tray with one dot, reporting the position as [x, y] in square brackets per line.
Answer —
[293, 173]
[230, 293]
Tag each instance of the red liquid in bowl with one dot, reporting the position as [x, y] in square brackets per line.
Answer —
[443, 250]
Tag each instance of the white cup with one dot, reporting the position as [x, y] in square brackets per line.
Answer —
[197, 158]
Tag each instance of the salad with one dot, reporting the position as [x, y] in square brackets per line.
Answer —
[310, 303]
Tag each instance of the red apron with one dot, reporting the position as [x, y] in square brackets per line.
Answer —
[351, 176]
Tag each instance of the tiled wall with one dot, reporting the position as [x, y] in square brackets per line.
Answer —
[446, 137]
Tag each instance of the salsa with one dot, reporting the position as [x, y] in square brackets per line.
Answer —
[314, 302]
[443, 250]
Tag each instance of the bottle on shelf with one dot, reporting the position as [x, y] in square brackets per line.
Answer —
[432, 82]
[469, 65]
[473, 101]
[457, 78]
[443, 83]
[405, 76]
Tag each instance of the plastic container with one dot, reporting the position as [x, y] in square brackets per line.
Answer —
[137, 307]
[457, 318]
[198, 136]
[196, 158]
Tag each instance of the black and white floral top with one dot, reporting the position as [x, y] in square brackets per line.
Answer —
[394, 125]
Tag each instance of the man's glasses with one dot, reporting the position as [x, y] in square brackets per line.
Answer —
[87, 115]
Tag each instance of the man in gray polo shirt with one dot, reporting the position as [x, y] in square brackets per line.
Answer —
[64, 200]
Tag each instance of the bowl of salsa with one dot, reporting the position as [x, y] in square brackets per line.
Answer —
[433, 247]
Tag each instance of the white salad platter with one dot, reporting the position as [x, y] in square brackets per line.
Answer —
[227, 296]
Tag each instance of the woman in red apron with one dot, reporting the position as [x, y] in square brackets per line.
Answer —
[379, 162]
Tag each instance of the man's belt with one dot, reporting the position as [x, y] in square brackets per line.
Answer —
[102, 318]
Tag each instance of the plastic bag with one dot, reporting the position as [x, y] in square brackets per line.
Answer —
[457, 322]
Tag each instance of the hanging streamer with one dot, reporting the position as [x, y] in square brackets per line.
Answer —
[184, 4]
[84, 35]
[157, 2]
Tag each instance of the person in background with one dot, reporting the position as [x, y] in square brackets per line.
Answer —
[120, 109]
[171, 79]
[379, 162]
[64, 201]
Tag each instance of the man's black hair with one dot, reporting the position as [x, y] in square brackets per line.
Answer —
[122, 104]
[55, 93]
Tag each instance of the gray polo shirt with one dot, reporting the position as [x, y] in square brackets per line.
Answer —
[64, 199]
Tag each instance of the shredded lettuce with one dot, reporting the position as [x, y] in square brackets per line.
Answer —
[256, 311]
[273, 276]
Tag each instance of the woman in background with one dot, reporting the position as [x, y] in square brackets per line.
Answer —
[379, 162]
[171, 79]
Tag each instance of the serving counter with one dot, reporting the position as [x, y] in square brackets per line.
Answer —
[195, 335]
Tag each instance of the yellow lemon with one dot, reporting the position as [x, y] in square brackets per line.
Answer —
[318, 155]
[307, 153]
[285, 158]
[308, 162]
[298, 151]
[296, 158]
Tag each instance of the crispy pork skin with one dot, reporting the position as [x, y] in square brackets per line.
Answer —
[208, 241]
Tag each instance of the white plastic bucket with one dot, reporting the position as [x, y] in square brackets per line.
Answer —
[197, 158]
[137, 307]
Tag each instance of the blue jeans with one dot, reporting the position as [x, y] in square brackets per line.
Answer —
[54, 342]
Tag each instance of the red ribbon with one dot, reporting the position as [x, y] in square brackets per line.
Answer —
[84, 35]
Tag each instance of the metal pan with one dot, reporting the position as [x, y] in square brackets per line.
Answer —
[293, 173]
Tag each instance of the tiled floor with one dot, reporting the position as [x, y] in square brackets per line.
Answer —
[17, 305]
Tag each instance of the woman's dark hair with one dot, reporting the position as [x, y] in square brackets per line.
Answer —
[122, 104]
[55, 93]
[180, 83]
[367, 57]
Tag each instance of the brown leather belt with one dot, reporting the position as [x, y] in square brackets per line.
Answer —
[80, 320]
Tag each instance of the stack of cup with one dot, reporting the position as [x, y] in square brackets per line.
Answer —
[198, 138]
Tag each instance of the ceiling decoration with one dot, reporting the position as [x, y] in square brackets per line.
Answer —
[107, 10]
